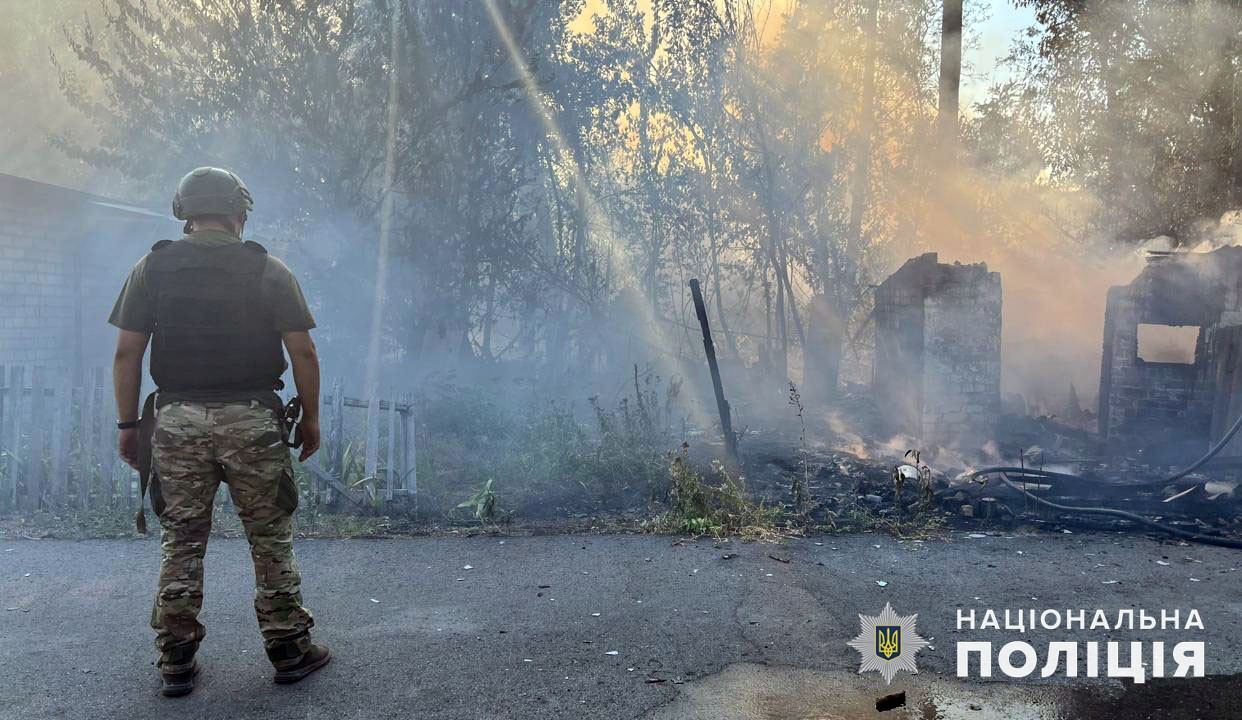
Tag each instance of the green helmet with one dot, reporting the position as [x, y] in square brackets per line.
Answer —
[211, 191]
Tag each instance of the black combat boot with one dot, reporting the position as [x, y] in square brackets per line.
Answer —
[290, 672]
[178, 671]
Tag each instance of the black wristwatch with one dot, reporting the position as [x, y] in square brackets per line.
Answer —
[127, 425]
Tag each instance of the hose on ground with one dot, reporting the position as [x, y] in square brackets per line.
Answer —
[1004, 471]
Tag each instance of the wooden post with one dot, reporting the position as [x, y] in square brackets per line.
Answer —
[325, 449]
[35, 477]
[337, 468]
[370, 467]
[7, 413]
[409, 451]
[86, 443]
[58, 482]
[390, 469]
[726, 421]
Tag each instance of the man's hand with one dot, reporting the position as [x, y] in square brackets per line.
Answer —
[127, 444]
[306, 377]
[310, 438]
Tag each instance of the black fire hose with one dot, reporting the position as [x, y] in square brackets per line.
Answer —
[1004, 471]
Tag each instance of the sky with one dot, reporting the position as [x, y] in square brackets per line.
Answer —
[993, 35]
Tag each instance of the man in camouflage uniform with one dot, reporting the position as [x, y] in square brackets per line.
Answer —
[216, 311]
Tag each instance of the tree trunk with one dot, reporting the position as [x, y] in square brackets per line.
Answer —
[1234, 130]
[489, 314]
[950, 69]
[862, 161]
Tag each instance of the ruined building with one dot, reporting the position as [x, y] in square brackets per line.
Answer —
[1171, 348]
[938, 352]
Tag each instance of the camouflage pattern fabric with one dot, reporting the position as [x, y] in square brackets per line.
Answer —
[196, 446]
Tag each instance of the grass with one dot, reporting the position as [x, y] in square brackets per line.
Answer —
[857, 518]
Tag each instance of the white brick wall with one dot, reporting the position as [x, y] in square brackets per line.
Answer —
[63, 258]
[38, 286]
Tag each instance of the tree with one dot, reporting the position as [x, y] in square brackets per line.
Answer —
[1139, 106]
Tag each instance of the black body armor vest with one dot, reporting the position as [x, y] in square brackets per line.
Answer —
[213, 330]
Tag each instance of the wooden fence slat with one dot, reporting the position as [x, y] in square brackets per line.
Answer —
[86, 444]
[38, 438]
[17, 384]
[58, 482]
[336, 448]
[371, 467]
[104, 449]
[323, 458]
[7, 414]
[390, 469]
[409, 452]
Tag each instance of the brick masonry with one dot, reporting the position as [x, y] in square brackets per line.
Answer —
[63, 257]
[938, 352]
[1159, 409]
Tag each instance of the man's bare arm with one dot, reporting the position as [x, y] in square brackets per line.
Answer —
[305, 360]
[126, 385]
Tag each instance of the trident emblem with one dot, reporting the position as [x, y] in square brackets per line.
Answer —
[888, 641]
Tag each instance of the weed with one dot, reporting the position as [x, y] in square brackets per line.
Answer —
[482, 505]
[698, 507]
[801, 483]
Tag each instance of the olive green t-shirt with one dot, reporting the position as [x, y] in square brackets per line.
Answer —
[135, 308]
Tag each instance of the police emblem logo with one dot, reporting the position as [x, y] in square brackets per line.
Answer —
[888, 643]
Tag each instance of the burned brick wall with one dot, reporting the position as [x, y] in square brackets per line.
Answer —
[1161, 408]
[938, 354]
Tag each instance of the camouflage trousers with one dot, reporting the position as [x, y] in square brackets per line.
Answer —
[196, 446]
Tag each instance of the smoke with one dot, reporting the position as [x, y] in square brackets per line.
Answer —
[1054, 283]
[34, 109]
[993, 199]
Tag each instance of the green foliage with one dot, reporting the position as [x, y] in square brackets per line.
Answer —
[698, 507]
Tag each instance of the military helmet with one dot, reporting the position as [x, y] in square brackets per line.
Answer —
[211, 191]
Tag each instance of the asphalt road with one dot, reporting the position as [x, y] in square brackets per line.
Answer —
[529, 631]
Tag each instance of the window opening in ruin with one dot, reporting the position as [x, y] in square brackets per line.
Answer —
[1167, 343]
